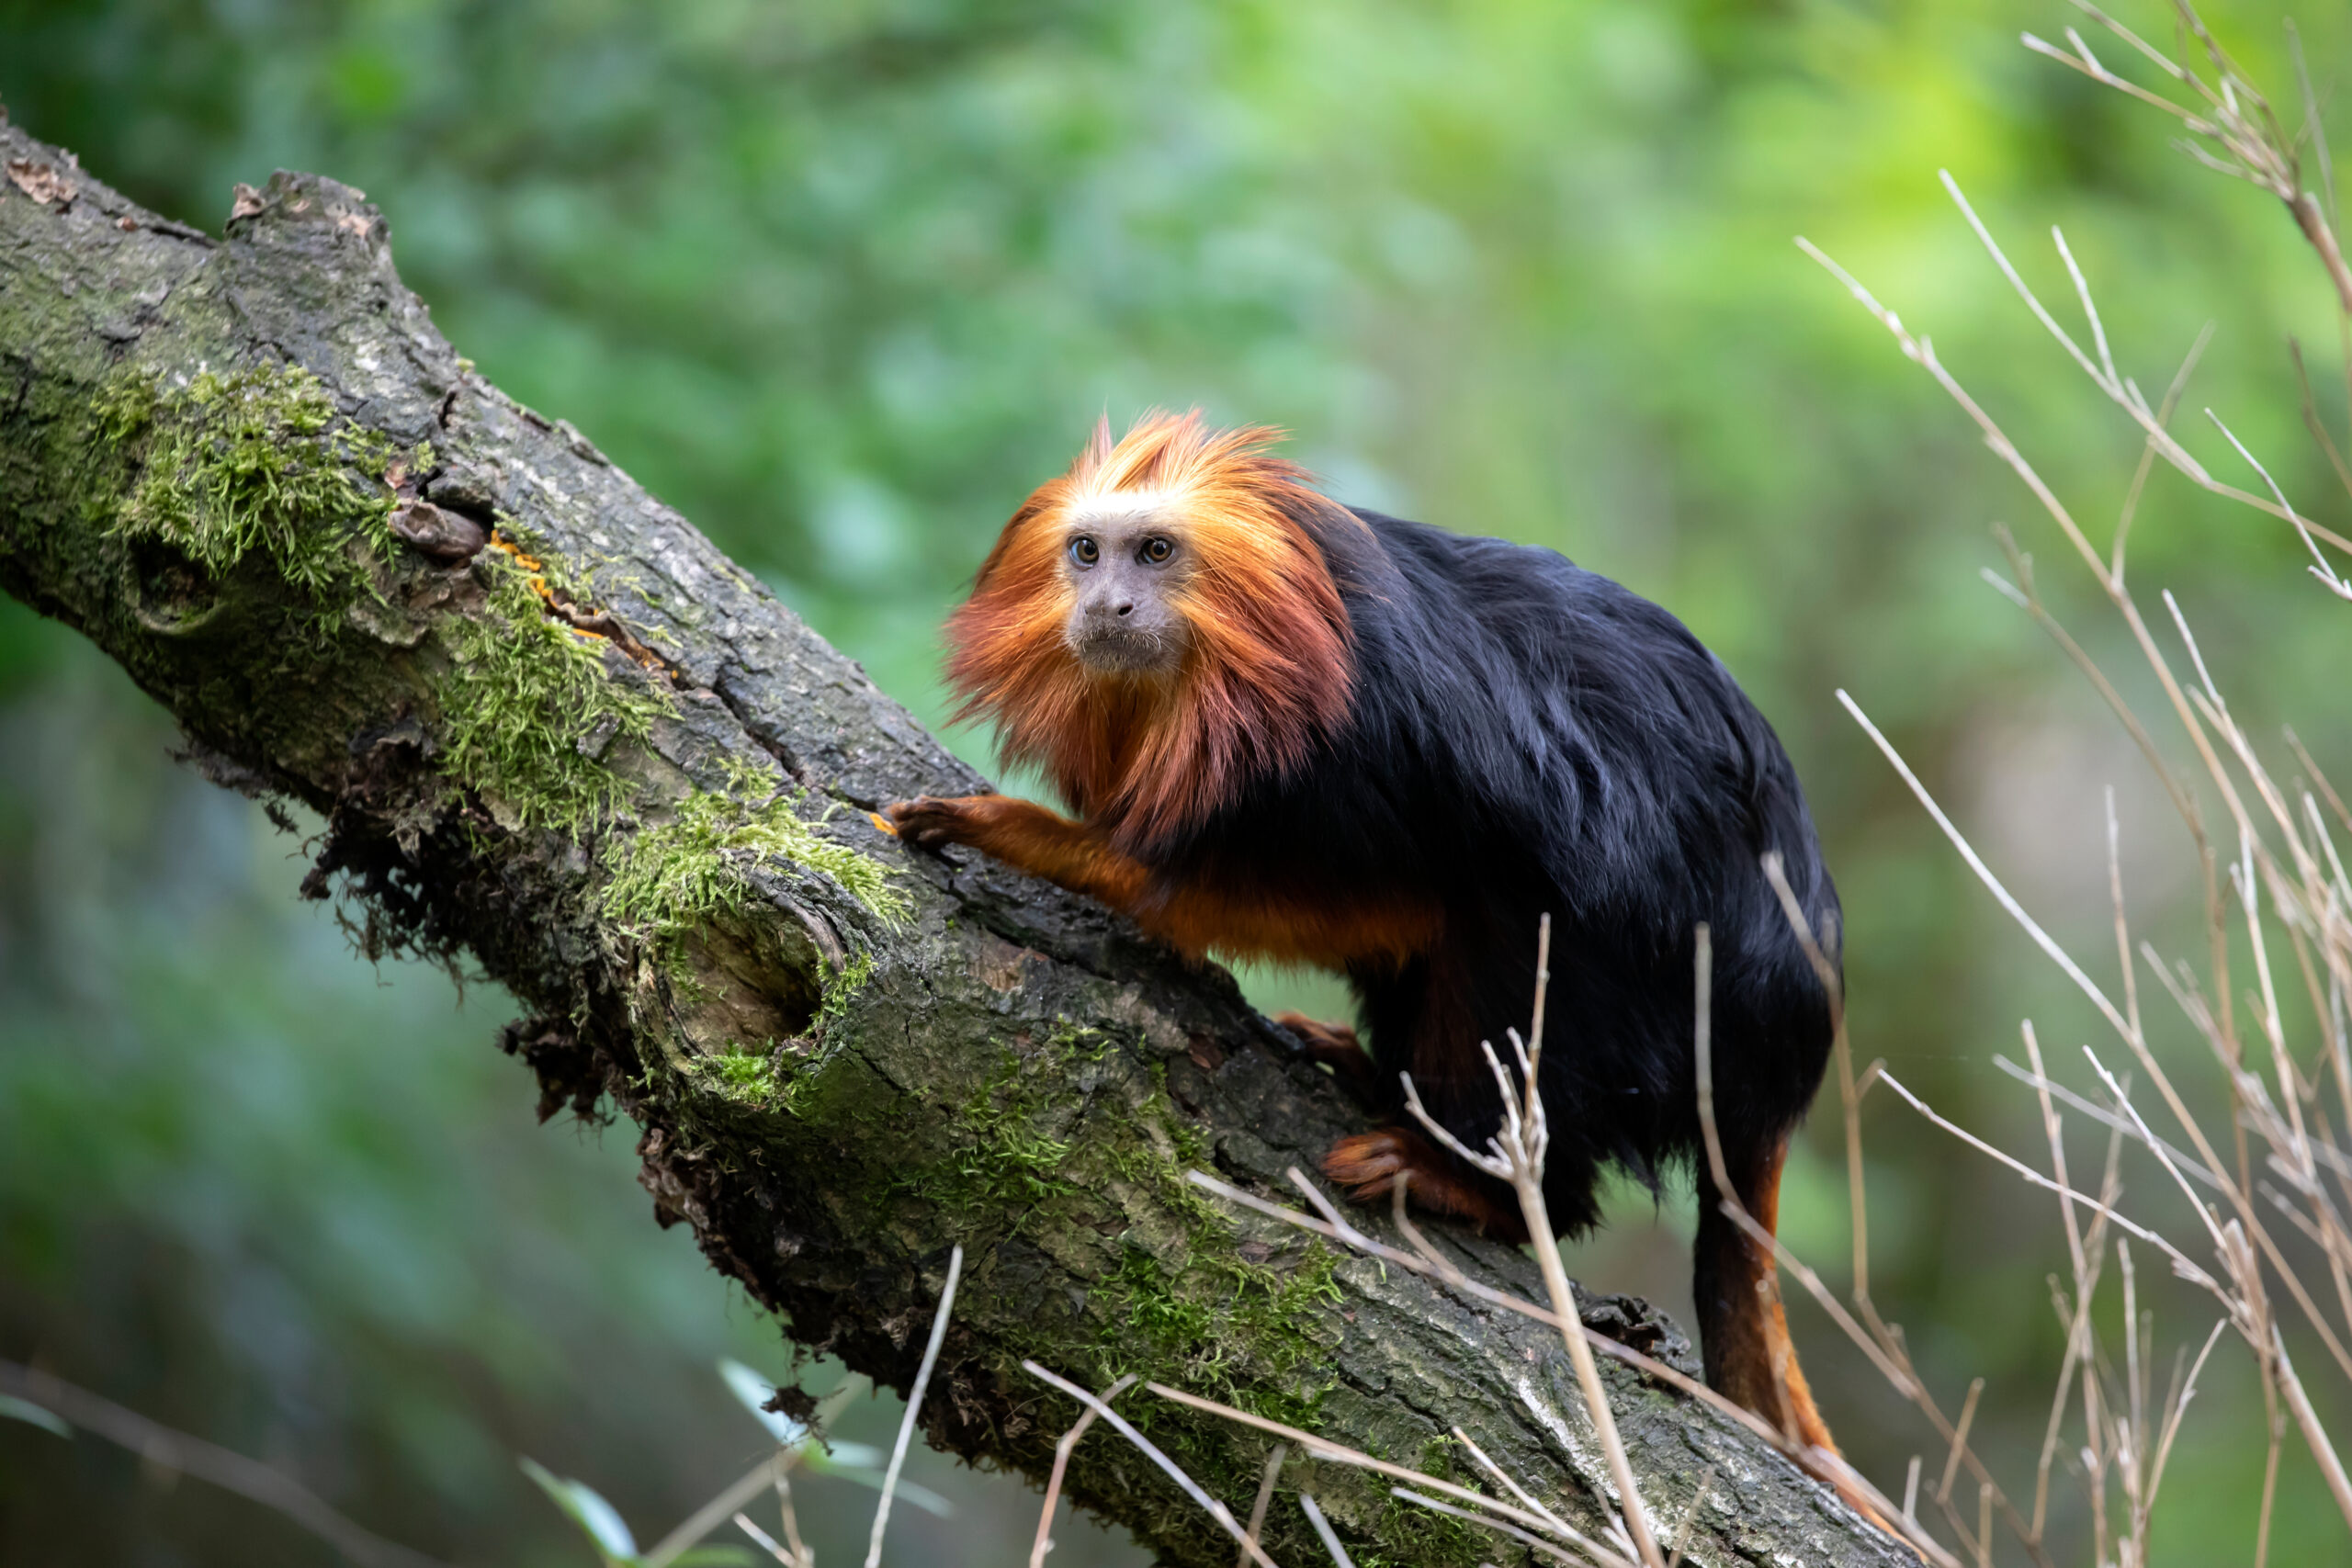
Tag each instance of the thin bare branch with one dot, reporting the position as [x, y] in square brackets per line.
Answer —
[166, 1449]
[1339, 1454]
[1174, 1471]
[1471, 1516]
[759, 1478]
[1275, 1459]
[1045, 1542]
[1333, 1226]
[914, 1406]
[1339, 1558]
[769, 1544]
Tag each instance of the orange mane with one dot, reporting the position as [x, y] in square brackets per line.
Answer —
[1270, 668]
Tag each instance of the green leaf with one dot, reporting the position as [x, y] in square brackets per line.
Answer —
[716, 1555]
[599, 1519]
[855, 1461]
[33, 1414]
[860, 1462]
[840, 1456]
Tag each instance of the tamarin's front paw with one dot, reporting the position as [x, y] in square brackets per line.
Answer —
[930, 822]
[1369, 1164]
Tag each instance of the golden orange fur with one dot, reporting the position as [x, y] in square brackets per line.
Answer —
[1237, 919]
[1269, 674]
[1270, 669]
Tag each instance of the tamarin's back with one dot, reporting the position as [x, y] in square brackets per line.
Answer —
[1533, 739]
[1295, 731]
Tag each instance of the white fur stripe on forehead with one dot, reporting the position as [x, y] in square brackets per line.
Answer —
[1120, 505]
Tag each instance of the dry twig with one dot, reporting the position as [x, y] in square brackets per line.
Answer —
[1045, 1542]
[914, 1406]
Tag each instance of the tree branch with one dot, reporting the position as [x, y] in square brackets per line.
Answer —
[555, 734]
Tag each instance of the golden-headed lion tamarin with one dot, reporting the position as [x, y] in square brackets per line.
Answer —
[1294, 730]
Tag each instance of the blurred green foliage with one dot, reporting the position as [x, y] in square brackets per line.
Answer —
[842, 281]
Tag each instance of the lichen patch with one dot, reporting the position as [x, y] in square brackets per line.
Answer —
[42, 183]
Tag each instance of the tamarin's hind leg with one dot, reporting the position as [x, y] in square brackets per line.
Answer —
[1742, 1330]
[1369, 1164]
[1335, 1047]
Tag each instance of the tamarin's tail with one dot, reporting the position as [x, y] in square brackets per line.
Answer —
[1745, 1334]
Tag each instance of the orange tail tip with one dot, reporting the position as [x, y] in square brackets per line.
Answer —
[1751, 1360]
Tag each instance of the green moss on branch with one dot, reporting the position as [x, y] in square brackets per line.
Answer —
[747, 1076]
[530, 706]
[668, 880]
[252, 460]
[1003, 1159]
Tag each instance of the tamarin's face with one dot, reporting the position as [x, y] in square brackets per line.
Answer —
[1125, 568]
[1159, 622]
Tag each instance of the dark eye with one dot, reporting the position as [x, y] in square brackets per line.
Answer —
[1084, 551]
[1156, 551]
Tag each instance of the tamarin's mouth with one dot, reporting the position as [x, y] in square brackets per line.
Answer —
[1126, 650]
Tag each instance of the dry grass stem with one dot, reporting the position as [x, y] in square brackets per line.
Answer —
[1541, 1547]
[1174, 1471]
[1045, 1542]
[168, 1449]
[1958, 1441]
[2233, 116]
[769, 1472]
[2285, 875]
[1339, 1558]
[1691, 1518]
[914, 1406]
[1339, 1454]
[1275, 1459]
[769, 1544]
[1513, 1487]
[1515, 1155]
[803, 1556]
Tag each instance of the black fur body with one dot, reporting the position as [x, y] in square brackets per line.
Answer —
[1528, 737]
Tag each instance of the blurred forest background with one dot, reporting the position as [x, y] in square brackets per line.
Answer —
[842, 280]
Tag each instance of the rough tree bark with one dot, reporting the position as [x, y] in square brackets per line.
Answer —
[590, 756]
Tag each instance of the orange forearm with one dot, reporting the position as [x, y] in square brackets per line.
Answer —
[1030, 839]
[1194, 919]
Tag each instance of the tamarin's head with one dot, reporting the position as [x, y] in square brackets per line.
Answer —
[1160, 619]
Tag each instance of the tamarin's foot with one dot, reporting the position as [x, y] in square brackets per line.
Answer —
[1368, 1164]
[931, 822]
[1335, 1045]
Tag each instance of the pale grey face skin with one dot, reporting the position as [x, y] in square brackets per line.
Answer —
[1122, 567]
